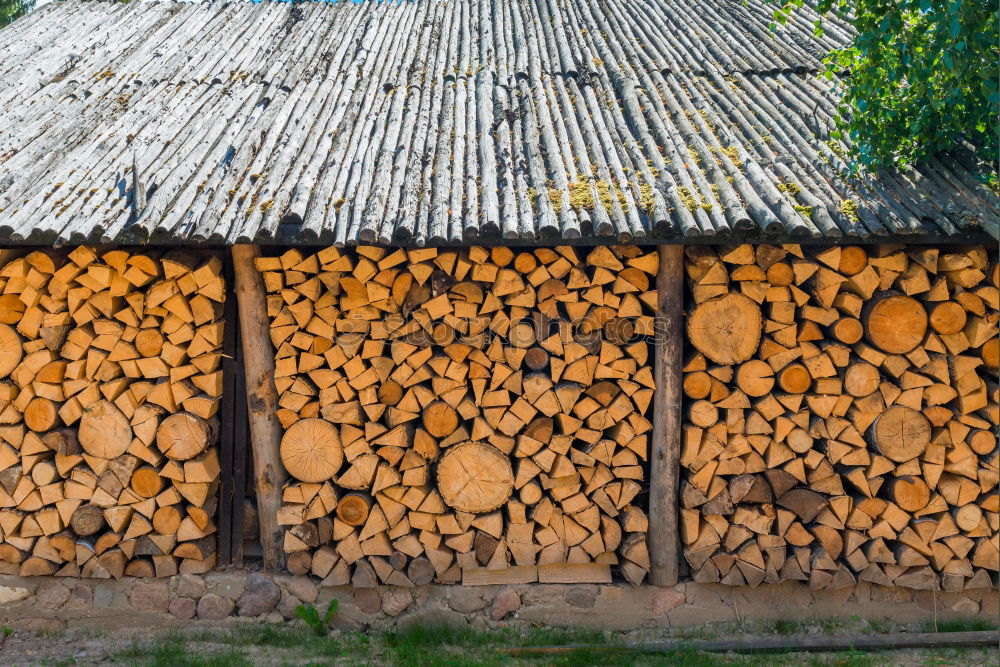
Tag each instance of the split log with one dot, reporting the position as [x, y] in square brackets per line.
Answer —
[107, 344]
[873, 457]
[485, 413]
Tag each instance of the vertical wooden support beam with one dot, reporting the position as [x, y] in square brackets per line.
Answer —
[240, 446]
[262, 400]
[226, 530]
[664, 546]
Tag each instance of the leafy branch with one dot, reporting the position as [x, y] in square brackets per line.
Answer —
[919, 77]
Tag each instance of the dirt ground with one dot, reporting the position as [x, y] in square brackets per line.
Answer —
[294, 644]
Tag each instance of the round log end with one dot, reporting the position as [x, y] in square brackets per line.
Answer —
[475, 478]
[726, 329]
[755, 378]
[897, 324]
[795, 379]
[40, 414]
[440, 419]
[902, 433]
[697, 385]
[311, 450]
[183, 436]
[86, 520]
[10, 350]
[104, 431]
[353, 509]
[146, 482]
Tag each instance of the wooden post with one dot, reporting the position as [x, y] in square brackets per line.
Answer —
[241, 442]
[227, 535]
[262, 400]
[664, 548]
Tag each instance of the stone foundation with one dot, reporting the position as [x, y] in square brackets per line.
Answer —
[51, 603]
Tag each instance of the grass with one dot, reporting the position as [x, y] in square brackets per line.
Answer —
[447, 646]
[826, 626]
[785, 628]
[303, 640]
[173, 650]
[878, 626]
[959, 625]
[850, 658]
[703, 632]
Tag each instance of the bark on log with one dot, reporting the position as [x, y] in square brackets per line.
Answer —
[876, 460]
[262, 400]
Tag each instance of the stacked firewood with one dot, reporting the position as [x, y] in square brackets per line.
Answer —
[459, 411]
[110, 379]
[842, 412]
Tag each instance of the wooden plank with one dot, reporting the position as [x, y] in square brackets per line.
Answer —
[241, 446]
[262, 400]
[480, 576]
[664, 459]
[227, 532]
[824, 643]
[574, 573]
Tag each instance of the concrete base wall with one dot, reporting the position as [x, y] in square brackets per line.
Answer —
[51, 603]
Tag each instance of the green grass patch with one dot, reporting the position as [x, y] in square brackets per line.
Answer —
[959, 625]
[301, 639]
[850, 658]
[787, 627]
[706, 632]
[434, 646]
[587, 657]
[445, 646]
[172, 650]
[465, 646]
[562, 636]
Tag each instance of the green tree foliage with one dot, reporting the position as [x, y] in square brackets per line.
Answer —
[13, 9]
[919, 76]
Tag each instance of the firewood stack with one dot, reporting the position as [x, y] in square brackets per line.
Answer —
[842, 412]
[451, 413]
[110, 379]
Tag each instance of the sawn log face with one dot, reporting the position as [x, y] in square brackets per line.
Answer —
[490, 405]
[110, 379]
[873, 456]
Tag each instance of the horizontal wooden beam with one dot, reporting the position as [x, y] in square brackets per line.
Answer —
[814, 644]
